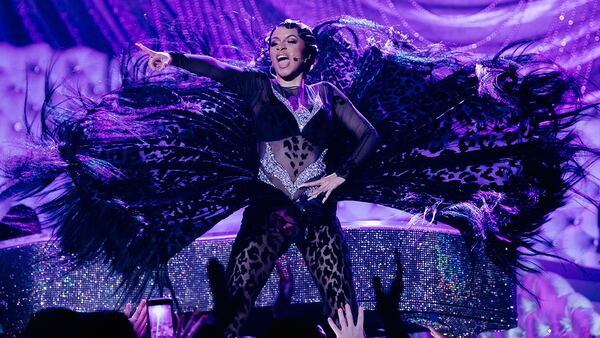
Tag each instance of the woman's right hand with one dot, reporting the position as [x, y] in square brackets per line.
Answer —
[156, 60]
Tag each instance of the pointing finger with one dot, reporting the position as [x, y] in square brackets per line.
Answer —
[145, 49]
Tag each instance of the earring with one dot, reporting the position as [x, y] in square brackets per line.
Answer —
[272, 71]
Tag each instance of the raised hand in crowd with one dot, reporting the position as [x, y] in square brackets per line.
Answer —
[387, 301]
[139, 319]
[190, 327]
[218, 286]
[213, 324]
[347, 328]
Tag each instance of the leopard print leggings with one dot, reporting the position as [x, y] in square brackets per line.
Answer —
[262, 240]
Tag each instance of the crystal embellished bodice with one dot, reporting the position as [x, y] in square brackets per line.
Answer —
[289, 162]
[284, 173]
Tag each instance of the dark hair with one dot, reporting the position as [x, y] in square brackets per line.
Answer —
[306, 34]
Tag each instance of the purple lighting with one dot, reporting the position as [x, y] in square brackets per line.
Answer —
[79, 44]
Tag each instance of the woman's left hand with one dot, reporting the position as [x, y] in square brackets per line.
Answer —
[326, 184]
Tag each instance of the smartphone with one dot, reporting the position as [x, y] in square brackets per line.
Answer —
[160, 317]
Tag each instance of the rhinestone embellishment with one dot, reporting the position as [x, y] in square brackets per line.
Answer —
[271, 166]
[302, 114]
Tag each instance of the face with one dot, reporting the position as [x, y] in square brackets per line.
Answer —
[286, 49]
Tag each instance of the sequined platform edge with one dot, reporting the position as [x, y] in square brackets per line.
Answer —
[443, 288]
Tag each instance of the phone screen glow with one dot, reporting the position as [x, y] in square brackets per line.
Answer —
[161, 321]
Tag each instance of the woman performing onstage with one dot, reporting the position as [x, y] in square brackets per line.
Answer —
[294, 125]
[479, 144]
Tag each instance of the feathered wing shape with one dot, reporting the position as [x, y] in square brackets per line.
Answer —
[479, 145]
[142, 173]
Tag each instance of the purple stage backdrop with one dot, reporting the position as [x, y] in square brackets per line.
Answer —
[83, 38]
[566, 31]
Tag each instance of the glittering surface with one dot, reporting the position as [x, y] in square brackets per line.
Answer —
[442, 284]
[302, 114]
[270, 165]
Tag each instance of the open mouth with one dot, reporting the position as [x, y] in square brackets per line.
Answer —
[283, 61]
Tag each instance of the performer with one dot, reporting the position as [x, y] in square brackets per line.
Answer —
[481, 144]
[295, 124]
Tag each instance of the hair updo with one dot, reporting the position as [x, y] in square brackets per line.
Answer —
[306, 34]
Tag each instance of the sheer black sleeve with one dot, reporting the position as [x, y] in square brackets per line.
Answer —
[353, 120]
[244, 82]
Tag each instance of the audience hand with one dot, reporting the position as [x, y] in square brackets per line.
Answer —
[387, 301]
[190, 328]
[347, 328]
[139, 320]
[321, 331]
[224, 303]
[218, 287]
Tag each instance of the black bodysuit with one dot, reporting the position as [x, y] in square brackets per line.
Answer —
[294, 128]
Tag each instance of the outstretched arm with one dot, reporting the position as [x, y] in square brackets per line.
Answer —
[202, 65]
[245, 82]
